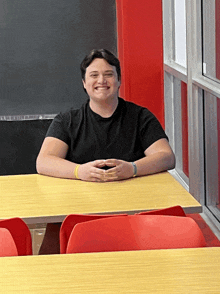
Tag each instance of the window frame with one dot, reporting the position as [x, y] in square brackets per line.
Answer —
[199, 87]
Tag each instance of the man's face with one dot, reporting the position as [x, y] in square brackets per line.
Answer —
[101, 81]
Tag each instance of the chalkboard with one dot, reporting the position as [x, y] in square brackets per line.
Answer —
[42, 43]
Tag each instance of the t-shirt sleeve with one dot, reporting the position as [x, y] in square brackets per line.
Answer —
[59, 128]
[150, 129]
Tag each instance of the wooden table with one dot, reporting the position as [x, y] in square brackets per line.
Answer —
[154, 271]
[37, 198]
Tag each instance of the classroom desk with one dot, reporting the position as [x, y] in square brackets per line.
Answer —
[39, 199]
[154, 271]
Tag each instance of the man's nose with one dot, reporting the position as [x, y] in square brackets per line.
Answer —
[102, 79]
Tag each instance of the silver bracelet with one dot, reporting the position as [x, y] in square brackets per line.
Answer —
[135, 169]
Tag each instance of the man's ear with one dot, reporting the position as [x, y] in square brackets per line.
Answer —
[83, 83]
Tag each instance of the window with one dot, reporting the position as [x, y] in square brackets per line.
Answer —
[192, 96]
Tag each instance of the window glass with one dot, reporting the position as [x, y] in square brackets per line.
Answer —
[180, 32]
[212, 144]
[211, 39]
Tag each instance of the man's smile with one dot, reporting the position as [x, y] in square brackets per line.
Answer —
[102, 88]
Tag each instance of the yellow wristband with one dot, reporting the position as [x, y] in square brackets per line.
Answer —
[76, 171]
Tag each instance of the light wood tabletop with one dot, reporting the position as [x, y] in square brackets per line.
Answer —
[154, 271]
[37, 198]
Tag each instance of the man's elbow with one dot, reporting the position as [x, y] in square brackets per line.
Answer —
[171, 161]
[40, 165]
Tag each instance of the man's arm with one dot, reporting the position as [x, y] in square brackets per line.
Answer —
[158, 157]
[51, 159]
[51, 162]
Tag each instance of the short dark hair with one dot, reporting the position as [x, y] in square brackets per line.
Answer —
[103, 54]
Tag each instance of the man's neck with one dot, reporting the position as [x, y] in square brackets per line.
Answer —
[104, 109]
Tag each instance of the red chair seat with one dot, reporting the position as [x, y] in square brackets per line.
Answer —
[174, 210]
[20, 234]
[69, 223]
[137, 232]
[7, 244]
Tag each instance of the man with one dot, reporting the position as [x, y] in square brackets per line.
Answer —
[107, 139]
[77, 142]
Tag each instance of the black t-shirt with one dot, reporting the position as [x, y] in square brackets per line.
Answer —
[125, 135]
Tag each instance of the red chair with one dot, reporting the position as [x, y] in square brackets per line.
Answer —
[174, 210]
[69, 223]
[7, 244]
[136, 232]
[20, 234]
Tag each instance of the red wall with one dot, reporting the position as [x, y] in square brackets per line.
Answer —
[185, 149]
[140, 50]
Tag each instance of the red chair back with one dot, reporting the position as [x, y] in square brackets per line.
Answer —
[69, 223]
[137, 232]
[7, 244]
[20, 234]
[174, 210]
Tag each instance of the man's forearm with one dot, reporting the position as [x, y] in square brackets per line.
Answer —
[155, 163]
[56, 167]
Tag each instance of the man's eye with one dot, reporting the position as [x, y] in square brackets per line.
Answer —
[109, 75]
[94, 75]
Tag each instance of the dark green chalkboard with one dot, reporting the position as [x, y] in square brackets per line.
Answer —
[42, 43]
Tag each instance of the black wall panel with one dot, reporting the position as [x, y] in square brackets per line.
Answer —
[20, 145]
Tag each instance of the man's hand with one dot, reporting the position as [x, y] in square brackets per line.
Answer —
[92, 171]
[120, 170]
